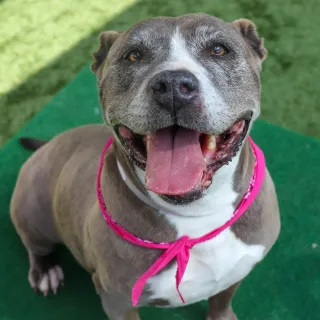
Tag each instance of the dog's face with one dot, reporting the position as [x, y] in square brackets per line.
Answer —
[181, 94]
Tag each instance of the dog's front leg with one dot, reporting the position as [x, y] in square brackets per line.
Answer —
[220, 305]
[117, 309]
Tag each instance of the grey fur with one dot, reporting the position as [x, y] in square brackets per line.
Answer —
[123, 86]
[55, 199]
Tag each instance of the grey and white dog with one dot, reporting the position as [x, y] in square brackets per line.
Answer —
[180, 96]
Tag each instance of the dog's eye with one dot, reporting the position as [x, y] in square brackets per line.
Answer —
[219, 50]
[133, 56]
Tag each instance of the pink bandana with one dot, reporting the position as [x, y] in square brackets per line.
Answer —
[179, 249]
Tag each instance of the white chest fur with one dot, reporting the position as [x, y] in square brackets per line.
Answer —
[216, 264]
[213, 267]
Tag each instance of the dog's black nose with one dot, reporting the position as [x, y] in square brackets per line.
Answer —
[174, 89]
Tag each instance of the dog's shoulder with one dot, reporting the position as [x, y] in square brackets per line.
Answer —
[261, 223]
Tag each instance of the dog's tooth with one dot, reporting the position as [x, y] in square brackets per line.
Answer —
[212, 143]
[148, 144]
[207, 183]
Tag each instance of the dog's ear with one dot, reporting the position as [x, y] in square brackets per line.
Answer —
[106, 39]
[248, 30]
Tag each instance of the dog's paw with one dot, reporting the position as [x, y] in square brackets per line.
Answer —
[45, 275]
[48, 281]
[224, 317]
[229, 315]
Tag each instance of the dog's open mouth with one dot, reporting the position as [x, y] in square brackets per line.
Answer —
[180, 163]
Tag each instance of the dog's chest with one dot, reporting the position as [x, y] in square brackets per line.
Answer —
[213, 267]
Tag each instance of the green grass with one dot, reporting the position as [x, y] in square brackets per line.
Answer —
[285, 286]
[44, 44]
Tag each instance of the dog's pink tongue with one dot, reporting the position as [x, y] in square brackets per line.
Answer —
[175, 162]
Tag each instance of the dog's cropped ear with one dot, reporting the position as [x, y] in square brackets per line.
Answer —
[106, 39]
[248, 30]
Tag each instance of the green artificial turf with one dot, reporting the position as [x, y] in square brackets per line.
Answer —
[284, 287]
[44, 43]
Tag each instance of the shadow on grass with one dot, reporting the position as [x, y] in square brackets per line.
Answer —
[295, 295]
[83, 49]
[39, 88]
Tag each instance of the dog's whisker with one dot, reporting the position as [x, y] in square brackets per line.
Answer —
[104, 127]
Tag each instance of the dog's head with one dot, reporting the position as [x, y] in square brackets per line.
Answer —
[181, 94]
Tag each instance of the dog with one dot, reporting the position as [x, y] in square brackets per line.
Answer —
[179, 97]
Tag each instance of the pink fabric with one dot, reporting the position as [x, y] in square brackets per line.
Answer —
[179, 249]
